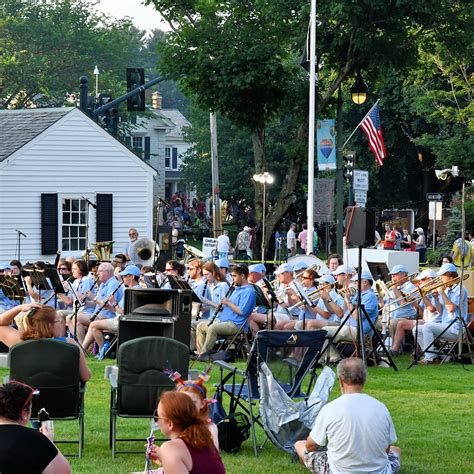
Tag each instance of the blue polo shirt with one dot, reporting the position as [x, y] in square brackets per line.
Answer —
[244, 298]
[83, 286]
[369, 301]
[6, 303]
[338, 299]
[454, 295]
[408, 311]
[104, 291]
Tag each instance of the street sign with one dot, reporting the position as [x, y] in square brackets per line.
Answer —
[361, 180]
[360, 197]
[435, 211]
[323, 200]
[434, 197]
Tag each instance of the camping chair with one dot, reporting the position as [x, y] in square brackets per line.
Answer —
[448, 348]
[291, 357]
[140, 378]
[52, 367]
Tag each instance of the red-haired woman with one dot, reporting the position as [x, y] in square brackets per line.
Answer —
[198, 394]
[190, 449]
[41, 322]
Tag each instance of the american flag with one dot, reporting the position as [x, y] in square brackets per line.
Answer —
[372, 128]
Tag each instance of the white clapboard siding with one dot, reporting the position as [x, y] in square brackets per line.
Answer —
[74, 157]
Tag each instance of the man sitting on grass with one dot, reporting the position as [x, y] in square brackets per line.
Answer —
[353, 433]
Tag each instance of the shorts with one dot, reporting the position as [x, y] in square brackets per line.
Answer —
[317, 461]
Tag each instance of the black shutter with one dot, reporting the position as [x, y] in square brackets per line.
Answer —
[49, 224]
[104, 215]
[147, 148]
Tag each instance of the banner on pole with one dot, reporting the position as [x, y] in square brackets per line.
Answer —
[324, 200]
[326, 144]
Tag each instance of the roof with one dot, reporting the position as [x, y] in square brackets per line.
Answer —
[178, 119]
[18, 127]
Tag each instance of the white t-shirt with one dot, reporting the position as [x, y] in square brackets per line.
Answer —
[291, 239]
[223, 243]
[357, 429]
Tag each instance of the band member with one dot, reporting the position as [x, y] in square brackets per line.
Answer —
[130, 277]
[395, 302]
[133, 236]
[103, 309]
[224, 266]
[287, 295]
[451, 301]
[236, 308]
[431, 300]
[334, 262]
[259, 317]
[330, 307]
[348, 332]
[343, 275]
[174, 269]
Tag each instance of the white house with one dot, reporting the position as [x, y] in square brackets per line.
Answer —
[160, 140]
[51, 162]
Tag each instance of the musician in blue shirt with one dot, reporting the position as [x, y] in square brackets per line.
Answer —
[236, 308]
[451, 301]
[349, 331]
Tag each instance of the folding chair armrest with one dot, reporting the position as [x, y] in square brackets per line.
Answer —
[6, 379]
[229, 367]
[109, 370]
[113, 381]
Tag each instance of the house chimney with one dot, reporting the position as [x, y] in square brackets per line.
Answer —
[156, 100]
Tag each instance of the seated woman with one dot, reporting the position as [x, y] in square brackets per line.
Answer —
[190, 448]
[23, 449]
[196, 390]
[41, 322]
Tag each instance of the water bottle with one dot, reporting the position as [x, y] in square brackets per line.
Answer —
[46, 423]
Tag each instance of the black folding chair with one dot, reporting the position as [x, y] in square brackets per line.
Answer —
[291, 356]
[140, 379]
[52, 367]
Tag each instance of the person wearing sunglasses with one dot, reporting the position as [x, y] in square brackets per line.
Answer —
[40, 322]
[24, 449]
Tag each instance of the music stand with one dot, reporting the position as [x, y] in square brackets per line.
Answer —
[379, 271]
[273, 300]
[11, 287]
[55, 279]
[179, 284]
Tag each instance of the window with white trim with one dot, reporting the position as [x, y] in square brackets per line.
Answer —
[137, 142]
[74, 224]
[171, 158]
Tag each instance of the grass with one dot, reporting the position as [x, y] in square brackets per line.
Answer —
[431, 407]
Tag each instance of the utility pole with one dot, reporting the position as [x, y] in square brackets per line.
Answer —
[339, 175]
[216, 208]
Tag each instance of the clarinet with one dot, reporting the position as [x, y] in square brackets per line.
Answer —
[198, 317]
[220, 306]
[104, 304]
[81, 302]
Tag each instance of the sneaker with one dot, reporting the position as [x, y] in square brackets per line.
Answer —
[429, 362]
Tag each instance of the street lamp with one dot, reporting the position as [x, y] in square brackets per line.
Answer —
[96, 74]
[359, 90]
[263, 178]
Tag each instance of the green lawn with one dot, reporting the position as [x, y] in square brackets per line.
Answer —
[431, 407]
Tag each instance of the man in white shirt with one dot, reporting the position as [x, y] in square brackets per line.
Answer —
[291, 240]
[223, 245]
[353, 433]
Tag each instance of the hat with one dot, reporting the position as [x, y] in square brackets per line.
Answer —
[365, 275]
[343, 269]
[428, 273]
[257, 268]
[398, 269]
[447, 267]
[419, 230]
[284, 267]
[326, 279]
[223, 263]
[300, 266]
[130, 270]
[246, 228]
[5, 266]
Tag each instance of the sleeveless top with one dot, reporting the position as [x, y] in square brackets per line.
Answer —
[205, 461]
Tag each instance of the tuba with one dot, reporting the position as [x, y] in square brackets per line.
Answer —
[103, 250]
[143, 251]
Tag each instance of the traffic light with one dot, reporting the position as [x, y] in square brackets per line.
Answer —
[104, 99]
[136, 78]
[111, 121]
[348, 169]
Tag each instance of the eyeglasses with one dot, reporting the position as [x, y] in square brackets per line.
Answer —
[306, 278]
[156, 418]
[169, 269]
[63, 269]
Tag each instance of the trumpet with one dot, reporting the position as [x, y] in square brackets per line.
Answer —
[312, 296]
[349, 291]
[424, 290]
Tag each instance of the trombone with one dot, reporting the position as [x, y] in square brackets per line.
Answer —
[425, 290]
[382, 288]
[314, 267]
[312, 296]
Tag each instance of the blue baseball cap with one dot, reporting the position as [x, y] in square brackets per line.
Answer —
[328, 278]
[223, 263]
[284, 267]
[343, 269]
[300, 266]
[447, 268]
[398, 269]
[130, 270]
[365, 275]
[5, 266]
[257, 268]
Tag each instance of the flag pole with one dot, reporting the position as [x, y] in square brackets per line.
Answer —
[355, 129]
[311, 129]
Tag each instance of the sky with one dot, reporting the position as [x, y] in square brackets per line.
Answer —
[144, 17]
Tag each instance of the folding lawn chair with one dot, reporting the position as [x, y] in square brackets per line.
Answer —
[291, 358]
